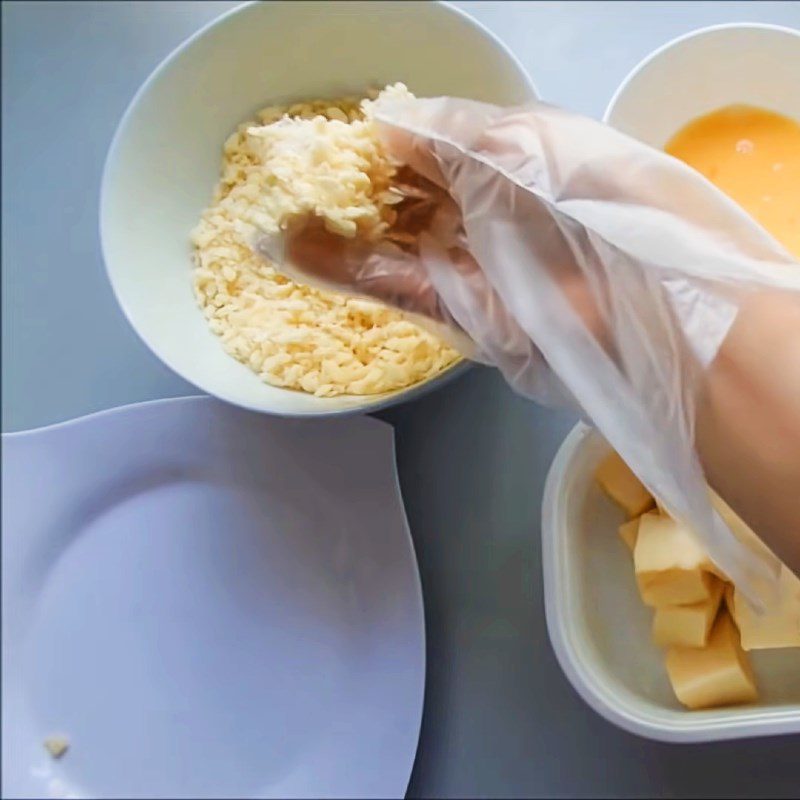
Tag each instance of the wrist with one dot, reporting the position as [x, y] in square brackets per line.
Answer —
[748, 420]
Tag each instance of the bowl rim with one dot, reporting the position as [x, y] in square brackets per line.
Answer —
[697, 33]
[687, 726]
[372, 402]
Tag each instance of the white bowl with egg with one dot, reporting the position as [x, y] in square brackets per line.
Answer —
[739, 63]
[164, 160]
[599, 627]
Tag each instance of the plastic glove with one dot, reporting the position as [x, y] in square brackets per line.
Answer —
[587, 267]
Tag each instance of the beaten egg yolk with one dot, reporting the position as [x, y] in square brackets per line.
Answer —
[753, 156]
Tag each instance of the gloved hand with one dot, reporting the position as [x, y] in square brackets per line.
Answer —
[589, 268]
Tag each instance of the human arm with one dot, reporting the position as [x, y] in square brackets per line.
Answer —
[590, 270]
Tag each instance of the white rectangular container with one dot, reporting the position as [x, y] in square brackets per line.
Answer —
[600, 629]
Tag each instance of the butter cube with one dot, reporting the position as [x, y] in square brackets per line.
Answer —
[675, 587]
[729, 592]
[623, 487]
[779, 625]
[687, 626]
[714, 675]
[671, 566]
[628, 532]
[711, 566]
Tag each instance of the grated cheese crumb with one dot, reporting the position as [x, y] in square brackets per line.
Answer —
[320, 158]
[56, 745]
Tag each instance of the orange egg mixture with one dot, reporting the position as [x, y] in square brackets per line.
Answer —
[753, 156]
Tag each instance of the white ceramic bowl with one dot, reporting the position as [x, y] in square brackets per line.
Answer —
[164, 161]
[704, 70]
[599, 627]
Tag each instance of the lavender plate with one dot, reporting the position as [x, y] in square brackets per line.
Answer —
[207, 602]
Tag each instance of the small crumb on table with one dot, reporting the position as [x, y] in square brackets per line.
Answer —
[56, 745]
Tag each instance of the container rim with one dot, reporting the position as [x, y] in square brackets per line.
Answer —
[689, 726]
[697, 33]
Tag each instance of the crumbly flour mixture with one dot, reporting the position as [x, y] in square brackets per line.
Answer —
[324, 158]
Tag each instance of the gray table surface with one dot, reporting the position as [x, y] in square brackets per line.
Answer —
[500, 718]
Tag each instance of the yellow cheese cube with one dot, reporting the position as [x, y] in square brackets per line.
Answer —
[628, 532]
[623, 487]
[779, 625]
[687, 626]
[729, 592]
[711, 566]
[715, 675]
[715, 570]
[671, 566]
[675, 587]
